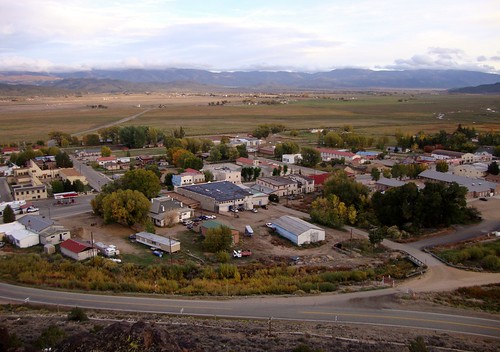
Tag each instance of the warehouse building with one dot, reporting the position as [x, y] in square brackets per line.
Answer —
[297, 230]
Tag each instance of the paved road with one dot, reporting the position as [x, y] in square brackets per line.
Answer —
[52, 211]
[5, 195]
[328, 308]
[96, 179]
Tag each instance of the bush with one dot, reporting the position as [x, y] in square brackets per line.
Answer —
[491, 262]
[50, 337]
[327, 287]
[222, 257]
[77, 314]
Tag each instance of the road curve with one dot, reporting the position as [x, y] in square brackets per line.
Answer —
[323, 308]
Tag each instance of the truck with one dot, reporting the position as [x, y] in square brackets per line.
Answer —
[238, 253]
[107, 250]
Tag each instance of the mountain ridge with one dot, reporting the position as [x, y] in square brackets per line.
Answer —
[140, 79]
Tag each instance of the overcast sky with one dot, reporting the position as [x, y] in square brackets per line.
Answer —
[296, 35]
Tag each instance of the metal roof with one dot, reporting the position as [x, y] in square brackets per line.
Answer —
[391, 182]
[472, 184]
[157, 238]
[295, 225]
[220, 191]
[35, 222]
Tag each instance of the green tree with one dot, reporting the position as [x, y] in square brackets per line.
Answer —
[375, 173]
[57, 186]
[286, 148]
[215, 154]
[50, 337]
[442, 166]
[209, 176]
[105, 151]
[262, 131]
[63, 160]
[8, 215]
[376, 236]
[348, 190]
[78, 186]
[218, 239]
[144, 181]
[110, 133]
[333, 139]
[91, 139]
[126, 207]
[310, 156]
[329, 211]
[242, 150]
[154, 168]
[58, 136]
[493, 168]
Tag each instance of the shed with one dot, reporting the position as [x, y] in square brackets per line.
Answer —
[163, 243]
[77, 250]
[298, 231]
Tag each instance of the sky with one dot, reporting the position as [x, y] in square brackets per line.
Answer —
[228, 35]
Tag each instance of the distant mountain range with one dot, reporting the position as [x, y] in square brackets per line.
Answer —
[171, 79]
[482, 89]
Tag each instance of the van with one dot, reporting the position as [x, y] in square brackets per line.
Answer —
[248, 230]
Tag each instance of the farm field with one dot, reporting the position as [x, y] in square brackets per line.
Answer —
[370, 113]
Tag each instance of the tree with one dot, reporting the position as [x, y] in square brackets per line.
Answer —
[215, 154]
[310, 156]
[91, 139]
[57, 186]
[333, 139]
[110, 133]
[286, 148]
[376, 235]
[8, 215]
[418, 345]
[126, 207]
[493, 168]
[105, 151]
[375, 173]
[58, 136]
[144, 181]
[242, 150]
[209, 176]
[218, 239]
[348, 190]
[63, 160]
[78, 186]
[442, 166]
[329, 211]
[262, 131]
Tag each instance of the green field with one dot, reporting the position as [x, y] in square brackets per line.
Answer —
[372, 114]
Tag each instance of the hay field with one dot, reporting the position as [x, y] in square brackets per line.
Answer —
[371, 113]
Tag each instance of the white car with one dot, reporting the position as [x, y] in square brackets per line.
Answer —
[32, 209]
[254, 210]
[270, 225]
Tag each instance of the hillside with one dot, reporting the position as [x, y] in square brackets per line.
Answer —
[482, 89]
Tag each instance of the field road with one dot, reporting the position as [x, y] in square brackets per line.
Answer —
[111, 124]
[323, 308]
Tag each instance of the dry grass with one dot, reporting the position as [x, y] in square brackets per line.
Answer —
[373, 114]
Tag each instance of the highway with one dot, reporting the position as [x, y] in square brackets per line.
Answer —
[324, 308]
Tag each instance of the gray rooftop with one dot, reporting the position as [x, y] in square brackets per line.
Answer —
[160, 205]
[277, 180]
[472, 184]
[390, 182]
[294, 225]
[220, 191]
[35, 222]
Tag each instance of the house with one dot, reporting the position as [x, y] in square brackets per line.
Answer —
[48, 232]
[103, 160]
[10, 150]
[218, 196]
[281, 186]
[319, 180]
[305, 184]
[77, 250]
[165, 211]
[291, 158]
[212, 224]
[246, 162]
[267, 150]
[72, 175]
[188, 177]
[297, 230]
[157, 241]
[328, 154]
[383, 184]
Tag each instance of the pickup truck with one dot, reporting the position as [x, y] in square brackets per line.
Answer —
[241, 253]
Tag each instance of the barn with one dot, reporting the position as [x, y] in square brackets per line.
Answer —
[297, 230]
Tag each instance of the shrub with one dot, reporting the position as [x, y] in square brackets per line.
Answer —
[77, 314]
[222, 257]
[491, 262]
[327, 287]
[50, 337]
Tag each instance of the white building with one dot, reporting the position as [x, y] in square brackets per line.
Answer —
[291, 158]
[17, 233]
[298, 231]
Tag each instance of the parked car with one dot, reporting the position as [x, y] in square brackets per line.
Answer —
[32, 209]
[254, 210]
[270, 225]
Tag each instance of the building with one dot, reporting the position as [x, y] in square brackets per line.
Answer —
[475, 187]
[72, 175]
[77, 250]
[297, 230]
[471, 171]
[157, 241]
[165, 211]
[212, 224]
[226, 174]
[291, 158]
[103, 160]
[328, 154]
[218, 196]
[383, 184]
[29, 191]
[305, 184]
[188, 177]
[279, 185]
[18, 235]
[48, 232]
[246, 162]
